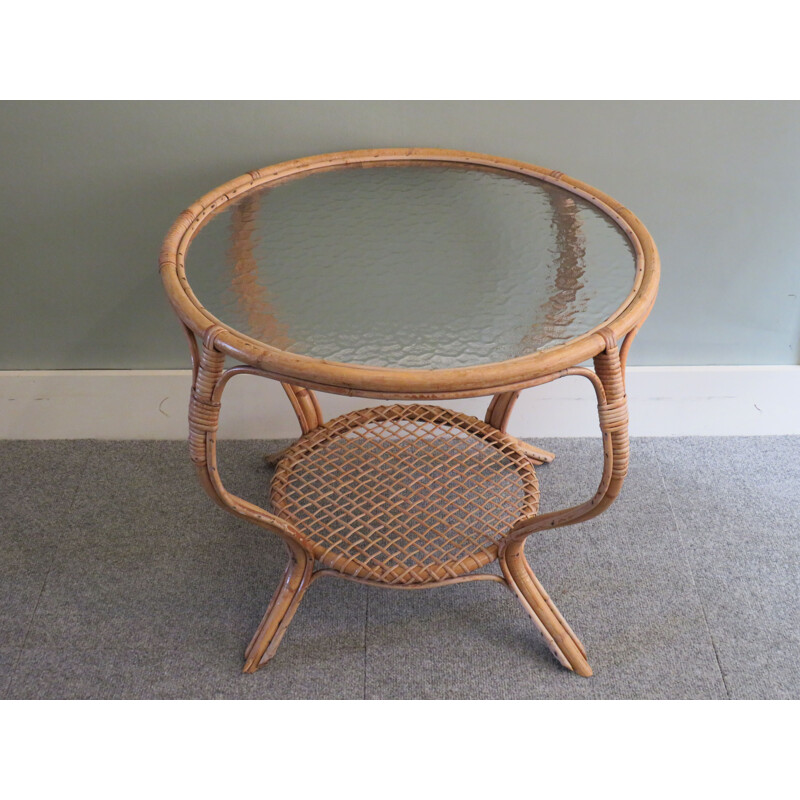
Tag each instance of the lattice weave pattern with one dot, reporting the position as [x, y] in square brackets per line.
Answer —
[405, 493]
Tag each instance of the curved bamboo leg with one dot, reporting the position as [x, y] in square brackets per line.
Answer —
[560, 638]
[609, 383]
[273, 458]
[210, 379]
[497, 415]
[536, 454]
[551, 604]
[305, 405]
[281, 609]
[309, 415]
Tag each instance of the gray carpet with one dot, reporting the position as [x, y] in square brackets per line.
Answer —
[120, 579]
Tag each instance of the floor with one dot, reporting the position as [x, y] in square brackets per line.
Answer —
[120, 579]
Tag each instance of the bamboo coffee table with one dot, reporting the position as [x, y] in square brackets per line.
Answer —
[418, 275]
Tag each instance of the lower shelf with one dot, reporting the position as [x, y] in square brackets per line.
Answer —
[405, 494]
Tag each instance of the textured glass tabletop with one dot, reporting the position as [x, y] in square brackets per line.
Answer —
[411, 266]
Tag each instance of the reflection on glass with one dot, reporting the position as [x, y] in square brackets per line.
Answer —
[412, 266]
[562, 303]
[251, 297]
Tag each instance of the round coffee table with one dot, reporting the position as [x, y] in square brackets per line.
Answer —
[411, 274]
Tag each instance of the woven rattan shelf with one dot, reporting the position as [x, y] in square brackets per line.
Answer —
[414, 275]
[405, 494]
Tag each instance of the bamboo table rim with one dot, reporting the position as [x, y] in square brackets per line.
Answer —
[392, 382]
[608, 345]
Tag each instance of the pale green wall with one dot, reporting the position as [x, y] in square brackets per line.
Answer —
[89, 189]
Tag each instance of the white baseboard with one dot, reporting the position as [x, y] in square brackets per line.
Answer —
[152, 404]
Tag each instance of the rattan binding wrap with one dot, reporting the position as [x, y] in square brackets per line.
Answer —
[405, 494]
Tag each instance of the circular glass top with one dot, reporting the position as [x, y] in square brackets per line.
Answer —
[412, 266]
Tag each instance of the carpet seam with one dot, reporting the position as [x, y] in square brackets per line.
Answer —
[13, 672]
[366, 625]
[691, 573]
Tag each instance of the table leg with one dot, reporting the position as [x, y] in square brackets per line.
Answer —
[281, 609]
[305, 405]
[273, 458]
[560, 638]
[309, 415]
[609, 383]
[497, 415]
[535, 454]
[210, 379]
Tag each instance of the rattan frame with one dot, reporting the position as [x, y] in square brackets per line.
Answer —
[607, 345]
